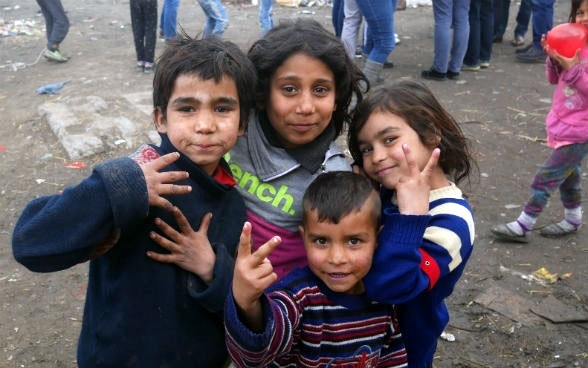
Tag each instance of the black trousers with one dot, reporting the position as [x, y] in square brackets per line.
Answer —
[144, 23]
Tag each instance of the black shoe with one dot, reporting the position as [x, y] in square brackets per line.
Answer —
[524, 49]
[497, 39]
[533, 55]
[388, 65]
[432, 74]
[452, 75]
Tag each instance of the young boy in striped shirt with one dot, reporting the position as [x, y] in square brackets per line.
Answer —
[319, 315]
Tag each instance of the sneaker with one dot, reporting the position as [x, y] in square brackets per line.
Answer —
[533, 55]
[140, 65]
[517, 41]
[523, 49]
[358, 52]
[484, 64]
[497, 39]
[388, 65]
[452, 75]
[432, 74]
[470, 68]
[54, 55]
[148, 68]
[396, 39]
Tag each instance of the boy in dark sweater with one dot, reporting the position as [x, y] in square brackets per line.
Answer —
[140, 312]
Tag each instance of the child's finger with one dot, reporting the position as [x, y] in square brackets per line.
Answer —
[244, 249]
[163, 161]
[173, 189]
[182, 221]
[411, 163]
[432, 163]
[265, 250]
[205, 223]
[173, 176]
[169, 231]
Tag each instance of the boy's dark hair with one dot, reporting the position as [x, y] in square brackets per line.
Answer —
[336, 194]
[309, 37]
[207, 58]
[417, 105]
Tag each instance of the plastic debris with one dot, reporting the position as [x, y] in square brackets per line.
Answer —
[543, 274]
[75, 165]
[51, 89]
[447, 336]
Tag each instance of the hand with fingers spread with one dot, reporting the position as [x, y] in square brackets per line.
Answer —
[161, 183]
[412, 189]
[189, 249]
[253, 274]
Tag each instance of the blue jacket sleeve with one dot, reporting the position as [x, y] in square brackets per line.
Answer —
[395, 275]
[59, 231]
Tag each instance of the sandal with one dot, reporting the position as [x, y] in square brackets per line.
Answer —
[503, 232]
[556, 230]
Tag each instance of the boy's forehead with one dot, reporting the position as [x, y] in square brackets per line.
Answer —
[194, 86]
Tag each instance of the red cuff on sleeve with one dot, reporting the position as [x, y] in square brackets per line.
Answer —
[430, 267]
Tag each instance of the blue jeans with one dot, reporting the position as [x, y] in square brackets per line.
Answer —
[168, 21]
[351, 26]
[481, 32]
[501, 10]
[379, 19]
[337, 17]
[217, 19]
[523, 18]
[563, 170]
[450, 50]
[542, 19]
[56, 22]
[266, 19]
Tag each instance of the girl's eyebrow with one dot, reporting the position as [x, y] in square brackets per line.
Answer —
[296, 78]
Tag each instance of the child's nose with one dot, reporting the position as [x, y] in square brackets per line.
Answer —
[204, 123]
[306, 104]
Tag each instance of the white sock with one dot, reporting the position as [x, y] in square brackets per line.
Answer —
[526, 222]
[573, 216]
[516, 228]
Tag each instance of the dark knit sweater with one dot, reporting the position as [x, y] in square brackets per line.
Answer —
[138, 312]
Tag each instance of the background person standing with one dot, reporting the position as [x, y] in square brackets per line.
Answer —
[57, 26]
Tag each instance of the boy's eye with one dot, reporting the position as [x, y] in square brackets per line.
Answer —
[320, 242]
[224, 109]
[186, 108]
[354, 241]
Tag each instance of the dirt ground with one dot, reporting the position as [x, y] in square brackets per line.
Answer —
[504, 313]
